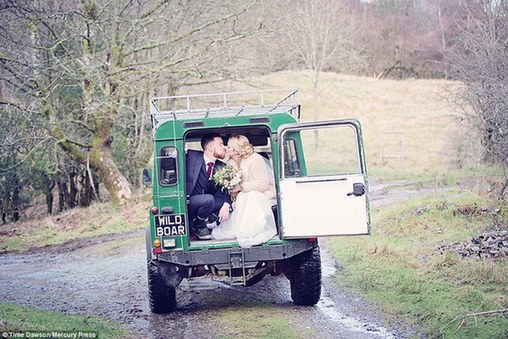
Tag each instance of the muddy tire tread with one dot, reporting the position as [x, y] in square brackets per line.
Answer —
[306, 279]
[162, 298]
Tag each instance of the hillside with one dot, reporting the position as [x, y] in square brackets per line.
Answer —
[413, 121]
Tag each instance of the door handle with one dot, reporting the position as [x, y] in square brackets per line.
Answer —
[358, 190]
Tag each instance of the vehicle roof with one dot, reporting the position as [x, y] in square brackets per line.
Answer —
[173, 116]
[176, 129]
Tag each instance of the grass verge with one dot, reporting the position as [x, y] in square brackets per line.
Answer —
[79, 223]
[400, 267]
[257, 322]
[21, 319]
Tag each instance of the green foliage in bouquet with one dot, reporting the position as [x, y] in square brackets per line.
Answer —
[228, 177]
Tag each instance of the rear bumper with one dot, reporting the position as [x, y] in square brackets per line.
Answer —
[222, 256]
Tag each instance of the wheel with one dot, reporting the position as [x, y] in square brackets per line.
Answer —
[162, 298]
[305, 279]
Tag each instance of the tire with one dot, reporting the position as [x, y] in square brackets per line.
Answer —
[162, 298]
[305, 279]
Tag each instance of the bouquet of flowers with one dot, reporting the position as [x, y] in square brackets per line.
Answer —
[228, 177]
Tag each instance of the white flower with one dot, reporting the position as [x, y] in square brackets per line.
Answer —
[228, 177]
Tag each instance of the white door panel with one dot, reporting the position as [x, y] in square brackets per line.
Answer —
[320, 164]
[312, 208]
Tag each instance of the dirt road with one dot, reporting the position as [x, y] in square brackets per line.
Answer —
[109, 279]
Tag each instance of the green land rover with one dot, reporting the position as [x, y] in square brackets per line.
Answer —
[320, 179]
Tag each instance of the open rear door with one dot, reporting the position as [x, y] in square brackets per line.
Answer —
[323, 182]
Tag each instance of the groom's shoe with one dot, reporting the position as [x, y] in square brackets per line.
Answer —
[213, 221]
[202, 232]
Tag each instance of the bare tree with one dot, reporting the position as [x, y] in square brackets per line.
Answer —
[408, 38]
[320, 32]
[480, 61]
[79, 64]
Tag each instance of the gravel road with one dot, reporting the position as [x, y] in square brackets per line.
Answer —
[109, 279]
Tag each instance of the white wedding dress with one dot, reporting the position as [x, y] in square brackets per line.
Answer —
[252, 222]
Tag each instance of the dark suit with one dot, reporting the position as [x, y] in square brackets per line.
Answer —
[205, 198]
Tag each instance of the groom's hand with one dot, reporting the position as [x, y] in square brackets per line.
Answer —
[224, 212]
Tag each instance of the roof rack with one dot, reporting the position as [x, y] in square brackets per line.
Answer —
[228, 104]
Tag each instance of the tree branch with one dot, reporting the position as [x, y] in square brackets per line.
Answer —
[17, 141]
[189, 32]
[84, 125]
[25, 158]
[462, 318]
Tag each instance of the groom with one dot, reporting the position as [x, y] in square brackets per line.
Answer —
[206, 200]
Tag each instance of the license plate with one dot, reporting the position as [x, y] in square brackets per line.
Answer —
[170, 225]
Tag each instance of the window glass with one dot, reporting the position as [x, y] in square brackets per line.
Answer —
[328, 150]
[265, 150]
[168, 166]
[291, 166]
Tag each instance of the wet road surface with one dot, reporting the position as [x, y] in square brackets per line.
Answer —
[109, 280]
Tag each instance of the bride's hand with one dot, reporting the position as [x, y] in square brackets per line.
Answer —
[224, 212]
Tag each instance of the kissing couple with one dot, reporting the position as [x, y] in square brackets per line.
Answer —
[249, 219]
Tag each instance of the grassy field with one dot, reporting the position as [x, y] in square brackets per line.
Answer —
[20, 319]
[400, 267]
[412, 122]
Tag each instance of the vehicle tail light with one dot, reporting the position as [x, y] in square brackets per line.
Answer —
[157, 243]
[155, 210]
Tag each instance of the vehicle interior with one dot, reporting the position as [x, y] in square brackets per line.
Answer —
[259, 137]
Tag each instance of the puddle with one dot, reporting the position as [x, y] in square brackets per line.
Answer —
[330, 309]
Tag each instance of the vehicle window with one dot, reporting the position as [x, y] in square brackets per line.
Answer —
[291, 166]
[330, 150]
[168, 166]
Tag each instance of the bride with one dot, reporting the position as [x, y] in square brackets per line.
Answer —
[252, 221]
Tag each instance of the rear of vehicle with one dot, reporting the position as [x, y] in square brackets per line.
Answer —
[320, 176]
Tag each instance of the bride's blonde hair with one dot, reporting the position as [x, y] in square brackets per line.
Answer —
[241, 144]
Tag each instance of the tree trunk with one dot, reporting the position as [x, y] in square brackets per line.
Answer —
[73, 191]
[84, 197]
[48, 192]
[16, 202]
[49, 202]
[63, 196]
[104, 115]
[3, 203]
[101, 160]
[87, 190]
[116, 184]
